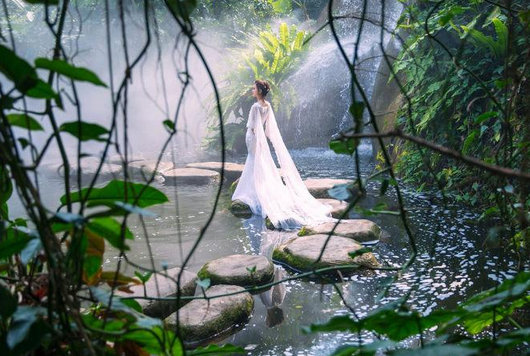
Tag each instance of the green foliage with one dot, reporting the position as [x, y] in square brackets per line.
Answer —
[398, 322]
[64, 68]
[271, 57]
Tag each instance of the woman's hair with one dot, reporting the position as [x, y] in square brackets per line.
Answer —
[263, 87]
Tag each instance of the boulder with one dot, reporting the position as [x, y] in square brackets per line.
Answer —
[319, 187]
[360, 230]
[202, 319]
[232, 170]
[192, 176]
[301, 253]
[167, 288]
[338, 207]
[240, 209]
[240, 270]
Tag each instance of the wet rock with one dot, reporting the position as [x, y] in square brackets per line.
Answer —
[240, 209]
[89, 167]
[166, 288]
[338, 207]
[232, 170]
[360, 230]
[300, 253]
[192, 176]
[240, 270]
[201, 319]
[319, 187]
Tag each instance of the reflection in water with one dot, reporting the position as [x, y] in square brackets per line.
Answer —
[263, 242]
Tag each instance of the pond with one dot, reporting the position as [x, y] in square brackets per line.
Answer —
[451, 264]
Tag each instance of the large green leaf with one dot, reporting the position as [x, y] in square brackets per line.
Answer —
[182, 8]
[111, 230]
[85, 131]
[64, 68]
[23, 320]
[6, 190]
[24, 121]
[214, 350]
[20, 72]
[118, 191]
[8, 304]
[13, 243]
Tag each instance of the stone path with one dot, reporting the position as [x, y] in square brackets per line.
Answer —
[300, 253]
[192, 176]
[319, 187]
[241, 270]
[232, 170]
[360, 230]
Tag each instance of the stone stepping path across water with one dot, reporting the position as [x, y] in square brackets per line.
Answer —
[338, 207]
[167, 288]
[232, 170]
[301, 252]
[360, 230]
[240, 270]
[318, 187]
[191, 176]
[148, 167]
[202, 319]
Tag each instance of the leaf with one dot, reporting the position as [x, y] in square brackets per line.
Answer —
[42, 90]
[114, 278]
[341, 191]
[359, 252]
[182, 8]
[485, 116]
[110, 230]
[134, 209]
[24, 121]
[8, 304]
[384, 186]
[64, 68]
[212, 350]
[85, 131]
[92, 265]
[6, 190]
[204, 283]
[437, 350]
[20, 72]
[22, 320]
[356, 110]
[169, 125]
[13, 244]
[346, 146]
[143, 277]
[469, 141]
[115, 191]
[31, 250]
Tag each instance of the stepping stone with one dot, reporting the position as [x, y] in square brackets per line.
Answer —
[89, 168]
[117, 159]
[234, 270]
[148, 167]
[360, 230]
[301, 252]
[319, 187]
[338, 207]
[201, 319]
[232, 170]
[240, 209]
[192, 176]
[167, 288]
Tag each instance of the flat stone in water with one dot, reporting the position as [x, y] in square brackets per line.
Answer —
[232, 170]
[240, 209]
[301, 252]
[319, 187]
[201, 319]
[338, 207]
[360, 230]
[236, 270]
[148, 167]
[193, 176]
[167, 288]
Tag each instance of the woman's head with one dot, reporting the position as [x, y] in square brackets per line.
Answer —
[261, 89]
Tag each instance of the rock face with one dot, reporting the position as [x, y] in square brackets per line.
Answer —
[232, 170]
[192, 176]
[319, 187]
[300, 253]
[238, 270]
[360, 230]
[338, 207]
[204, 319]
[240, 209]
[166, 288]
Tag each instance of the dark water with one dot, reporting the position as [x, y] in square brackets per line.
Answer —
[451, 262]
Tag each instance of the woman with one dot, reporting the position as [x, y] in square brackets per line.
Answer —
[287, 203]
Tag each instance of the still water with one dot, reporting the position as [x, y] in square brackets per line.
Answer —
[451, 264]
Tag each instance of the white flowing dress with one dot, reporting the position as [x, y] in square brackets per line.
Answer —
[279, 194]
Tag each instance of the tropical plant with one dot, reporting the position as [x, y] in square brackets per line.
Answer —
[272, 57]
